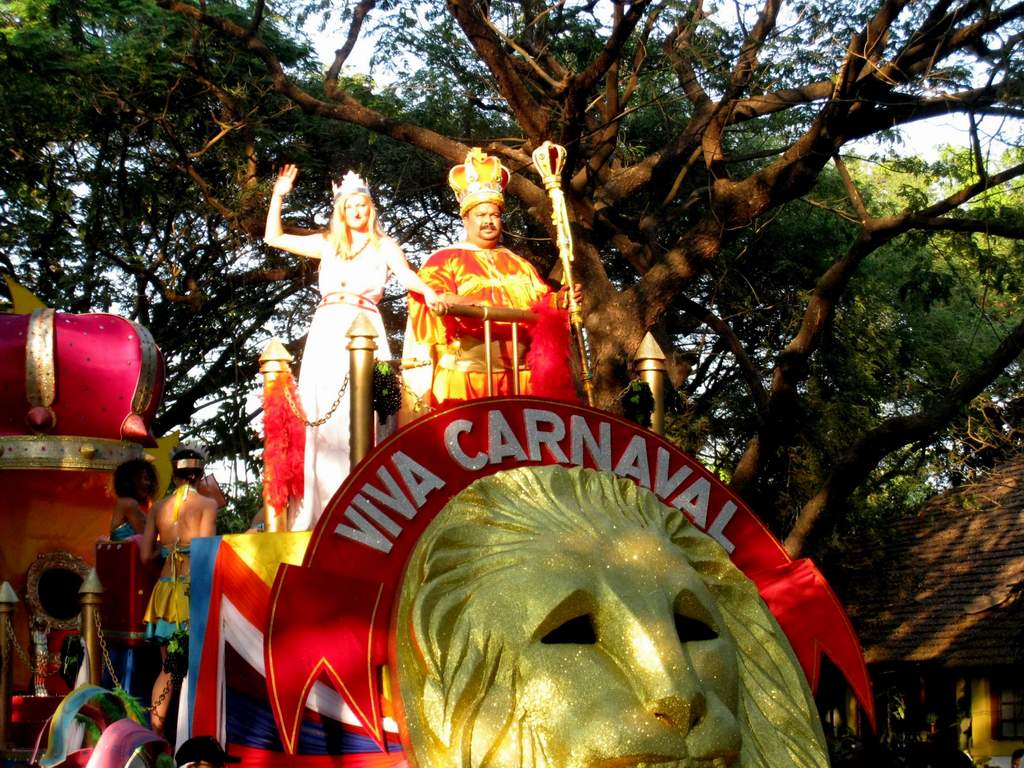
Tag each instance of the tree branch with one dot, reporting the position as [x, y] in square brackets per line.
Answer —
[257, 16]
[679, 40]
[584, 81]
[739, 80]
[944, 39]
[746, 63]
[792, 364]
[851, 190]
[867, 452]
[529, 114]
[556, 84]
[341, 55]
[751, 374]
[346, 108]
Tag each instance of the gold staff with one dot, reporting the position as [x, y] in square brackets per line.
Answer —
[549, 160]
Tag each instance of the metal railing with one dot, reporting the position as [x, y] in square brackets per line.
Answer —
[489, 316]
[649, 362]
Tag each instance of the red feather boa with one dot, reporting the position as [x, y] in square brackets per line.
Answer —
[548, 357]
[284, 443]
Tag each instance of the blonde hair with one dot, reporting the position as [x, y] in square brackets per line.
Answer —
[338, 234]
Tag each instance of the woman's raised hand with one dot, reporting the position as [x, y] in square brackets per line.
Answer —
[285, 179]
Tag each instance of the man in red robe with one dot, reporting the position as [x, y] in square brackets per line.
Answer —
[478, 271]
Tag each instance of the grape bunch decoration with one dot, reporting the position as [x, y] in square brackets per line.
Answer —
[387, 391]
[638, 403]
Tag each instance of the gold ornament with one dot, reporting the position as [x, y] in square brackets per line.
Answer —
[549, 160]
[481, 179]
[62, 452]
[567, 618]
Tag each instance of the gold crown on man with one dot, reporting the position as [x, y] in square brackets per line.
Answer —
[481, 179]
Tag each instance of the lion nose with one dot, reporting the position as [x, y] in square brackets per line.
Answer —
[681, 713]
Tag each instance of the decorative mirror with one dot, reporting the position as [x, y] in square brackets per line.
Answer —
[52, 586]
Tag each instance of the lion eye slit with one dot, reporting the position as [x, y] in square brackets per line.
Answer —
[576, 631]
[693, 630]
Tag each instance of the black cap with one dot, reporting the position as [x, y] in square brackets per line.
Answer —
[203, 749]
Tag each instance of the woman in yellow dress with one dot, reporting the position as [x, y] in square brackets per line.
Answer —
[188, 513]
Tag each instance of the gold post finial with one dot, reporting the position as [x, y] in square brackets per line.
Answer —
[90, 596]
[361, 346]
[650, 364]
[275, 358]
[7, 595]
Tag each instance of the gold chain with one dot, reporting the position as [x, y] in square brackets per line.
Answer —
[38, 669]
[113, 675]
[168, 687]
[625, 391]
[18, 650]
[23, 656]
[419, 405]
[105, 652]
[330, 411]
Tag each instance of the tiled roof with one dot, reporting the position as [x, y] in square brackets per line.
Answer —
[955, 570]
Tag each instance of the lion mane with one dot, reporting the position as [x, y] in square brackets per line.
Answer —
[448, 660]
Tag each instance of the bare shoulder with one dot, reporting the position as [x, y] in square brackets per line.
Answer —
[201, 504]
[162, 505]
[161, 516]
[127, 504]
[207, 522]
[198, 517]
[390, 249]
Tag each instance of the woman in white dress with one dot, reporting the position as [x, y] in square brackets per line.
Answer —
[356, 259]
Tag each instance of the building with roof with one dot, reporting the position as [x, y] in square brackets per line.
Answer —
[943, 631]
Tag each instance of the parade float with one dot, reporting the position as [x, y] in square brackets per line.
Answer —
[511, 578]
[498, 582]
[79, 395]
[515, 581]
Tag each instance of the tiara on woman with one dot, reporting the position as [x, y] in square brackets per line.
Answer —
[351, 184]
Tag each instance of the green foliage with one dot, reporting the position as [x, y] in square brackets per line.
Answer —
[923, 310]
[638, 403]
[139, 148]
[176, 660]
[105, 130]
[113, 705]
[245, 501]
[387, 391]
[133, 708]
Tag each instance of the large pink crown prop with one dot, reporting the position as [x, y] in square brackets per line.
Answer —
[87, 376]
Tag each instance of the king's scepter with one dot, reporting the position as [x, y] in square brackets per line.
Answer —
[549, 159]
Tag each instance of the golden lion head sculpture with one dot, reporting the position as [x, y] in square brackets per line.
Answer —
[556, 617]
